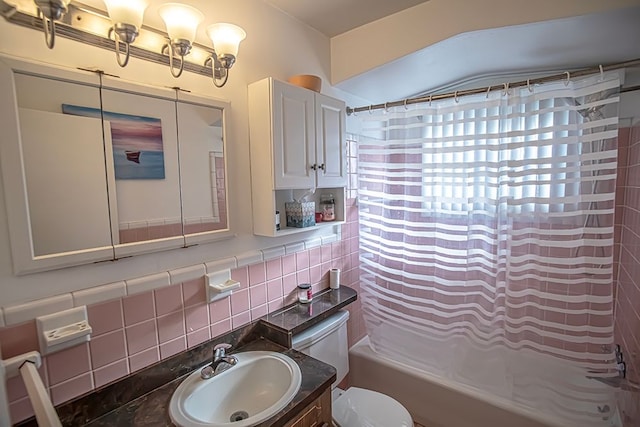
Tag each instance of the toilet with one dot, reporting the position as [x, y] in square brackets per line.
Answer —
[355, 407]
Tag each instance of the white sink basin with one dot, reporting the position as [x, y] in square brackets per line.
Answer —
[260, 385]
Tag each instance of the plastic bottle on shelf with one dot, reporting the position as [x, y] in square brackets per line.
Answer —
[328, 204]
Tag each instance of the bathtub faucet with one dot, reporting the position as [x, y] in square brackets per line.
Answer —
[220, 363]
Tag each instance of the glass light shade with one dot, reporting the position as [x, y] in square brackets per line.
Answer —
[181, 20]
[226, 38]
[126, 11]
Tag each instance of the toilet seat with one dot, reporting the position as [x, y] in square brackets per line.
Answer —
[358, 407]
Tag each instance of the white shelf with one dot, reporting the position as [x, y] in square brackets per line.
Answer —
[292, 230]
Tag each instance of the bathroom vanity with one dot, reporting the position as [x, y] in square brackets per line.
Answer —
[143, 398]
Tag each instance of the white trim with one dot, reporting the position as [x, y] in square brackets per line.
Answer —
[180, 275]
[148, 283]
[99, 294]
[20, 313]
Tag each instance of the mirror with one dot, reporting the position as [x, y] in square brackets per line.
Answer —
[144, 153]
[98, 169]
[202, 168]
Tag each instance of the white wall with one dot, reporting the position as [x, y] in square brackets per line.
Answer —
[276, 45]
[380, 42]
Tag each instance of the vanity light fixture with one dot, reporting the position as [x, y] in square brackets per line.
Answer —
[226, 40]
[182, 22]
[126, 16]
[121, 21]
[51, 11]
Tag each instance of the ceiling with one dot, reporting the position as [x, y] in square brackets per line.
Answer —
[477, 58]
[494, 56]
[472, 59]
[333, 17]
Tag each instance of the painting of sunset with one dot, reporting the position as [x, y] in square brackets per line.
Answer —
[138, 151]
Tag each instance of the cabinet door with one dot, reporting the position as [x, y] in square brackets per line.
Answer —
[317, 414]
[144, 155]
[53, 169]
[202, 166]
[331, 153]
[293, 137]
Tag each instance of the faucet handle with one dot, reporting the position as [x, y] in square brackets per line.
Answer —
[220, 349]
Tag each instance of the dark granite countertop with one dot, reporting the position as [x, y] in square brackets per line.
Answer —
[152, 409]
[142, 398]
[295, 318]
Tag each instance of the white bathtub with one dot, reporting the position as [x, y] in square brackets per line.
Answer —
[438, 401]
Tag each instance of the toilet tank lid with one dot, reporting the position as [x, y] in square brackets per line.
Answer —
[318, 331]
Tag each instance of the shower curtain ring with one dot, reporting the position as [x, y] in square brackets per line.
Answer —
[405, 104]
[601, 72]
[566, 82]
[386, 108]
[488, 90]
[506, 89]
[370, 107]
[455, 97]
[430, 97]
[529, 86]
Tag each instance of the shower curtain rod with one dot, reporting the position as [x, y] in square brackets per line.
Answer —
[486, 89]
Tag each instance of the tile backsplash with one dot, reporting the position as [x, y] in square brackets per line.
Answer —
[134, 331]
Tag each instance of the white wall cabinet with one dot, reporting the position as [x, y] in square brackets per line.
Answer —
[297, 140]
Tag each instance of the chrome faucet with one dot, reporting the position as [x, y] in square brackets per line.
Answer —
[220, 362]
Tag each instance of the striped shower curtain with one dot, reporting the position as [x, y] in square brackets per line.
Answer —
[487, 222]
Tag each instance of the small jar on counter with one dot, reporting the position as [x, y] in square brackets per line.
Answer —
[305, 293]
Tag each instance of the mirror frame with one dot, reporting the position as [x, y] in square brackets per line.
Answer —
[12, 163]
[16, 200]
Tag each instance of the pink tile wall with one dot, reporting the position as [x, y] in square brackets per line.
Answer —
[627, 253]
[150, 232]
[136, 331]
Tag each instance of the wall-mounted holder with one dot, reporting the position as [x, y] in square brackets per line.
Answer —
[63, 330]
[220, 285]
[13, 364]
[27, 365]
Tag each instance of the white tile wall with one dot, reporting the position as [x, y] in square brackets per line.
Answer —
[185, 274]
[294, 247]
[147, 283]
[99, 294]
[221, 264]
[248, 258]
[272, 253]
[23, 312]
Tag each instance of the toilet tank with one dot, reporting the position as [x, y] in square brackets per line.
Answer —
[327, 342]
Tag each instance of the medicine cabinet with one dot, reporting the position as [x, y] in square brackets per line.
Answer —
[297, 144]
[95, 168]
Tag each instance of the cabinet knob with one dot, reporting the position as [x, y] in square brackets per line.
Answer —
[314, 167]
[321, 166]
